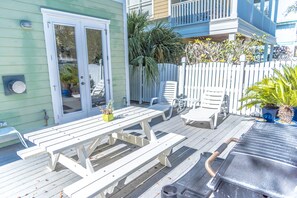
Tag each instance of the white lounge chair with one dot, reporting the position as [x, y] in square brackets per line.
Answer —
[11, 130]
[210, 106]
[98, 89]
[166, 99]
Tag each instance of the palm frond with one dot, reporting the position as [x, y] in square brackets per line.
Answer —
[150, 46]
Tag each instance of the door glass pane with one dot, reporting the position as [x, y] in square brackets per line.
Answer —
[96, 67]
[68, 68]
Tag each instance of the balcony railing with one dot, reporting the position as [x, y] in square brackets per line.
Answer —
[199, 11]
[196, 11]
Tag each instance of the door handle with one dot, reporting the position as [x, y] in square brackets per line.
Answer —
[82, 83]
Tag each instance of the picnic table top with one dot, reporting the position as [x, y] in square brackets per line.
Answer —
[58, 138]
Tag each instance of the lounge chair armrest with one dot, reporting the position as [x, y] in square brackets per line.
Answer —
[195, 103]
[173, 102]
[152, 100]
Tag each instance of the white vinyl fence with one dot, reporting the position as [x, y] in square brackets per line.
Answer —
[142, 91]
[193, 79]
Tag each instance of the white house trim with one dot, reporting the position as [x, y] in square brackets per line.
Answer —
[109, 63]
[169, 7]
[153, 9]
[50, 60]
[234, 9]
[71, 15]
[126, 53]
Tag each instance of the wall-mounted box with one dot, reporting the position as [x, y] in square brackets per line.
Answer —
[14, 84]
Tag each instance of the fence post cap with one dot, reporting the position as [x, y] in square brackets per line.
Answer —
[183, 60]
[242, 58]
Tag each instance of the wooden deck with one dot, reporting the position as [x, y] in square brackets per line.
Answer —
[31, 178]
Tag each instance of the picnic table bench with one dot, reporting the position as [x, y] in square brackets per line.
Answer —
[104, 180]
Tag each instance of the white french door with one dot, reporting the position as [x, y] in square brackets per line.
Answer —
[78, 50]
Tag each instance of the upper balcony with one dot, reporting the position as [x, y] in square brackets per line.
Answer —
[211, 17]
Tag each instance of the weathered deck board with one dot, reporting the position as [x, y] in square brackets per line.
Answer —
[31, 178]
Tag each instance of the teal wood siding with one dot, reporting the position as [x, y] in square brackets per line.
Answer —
[24, 52]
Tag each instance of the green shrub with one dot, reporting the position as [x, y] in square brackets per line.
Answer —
[207, 50]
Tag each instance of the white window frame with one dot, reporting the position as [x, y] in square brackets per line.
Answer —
[142, 3]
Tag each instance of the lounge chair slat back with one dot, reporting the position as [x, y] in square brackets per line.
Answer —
[168, 91]
[212, 98]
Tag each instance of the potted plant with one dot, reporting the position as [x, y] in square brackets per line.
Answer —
[280, 90]
[107, 112]
[286, 99]
[69, 79]
[288, 77]
[260, 93]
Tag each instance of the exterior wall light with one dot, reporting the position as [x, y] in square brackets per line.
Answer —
[25, 24]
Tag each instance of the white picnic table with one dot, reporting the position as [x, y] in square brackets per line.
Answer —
[76, 134]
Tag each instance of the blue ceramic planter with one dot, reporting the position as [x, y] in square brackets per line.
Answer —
[66, 93]
[295, 114]
[269, 114]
